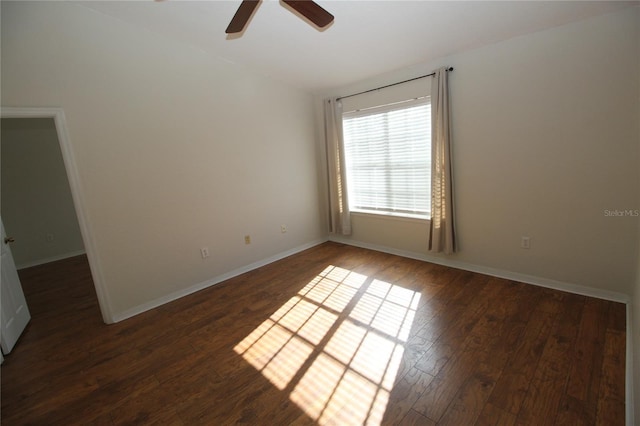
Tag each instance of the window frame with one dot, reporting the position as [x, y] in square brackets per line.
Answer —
[379, 109]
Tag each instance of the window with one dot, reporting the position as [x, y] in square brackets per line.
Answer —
[388, 158]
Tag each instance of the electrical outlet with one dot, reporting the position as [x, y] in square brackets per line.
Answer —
[247, 239]
[204, 251]
[283, 228]
[525, 243]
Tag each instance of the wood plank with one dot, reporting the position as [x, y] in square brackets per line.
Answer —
[405, 393]
[495, 416]
[512, 386]
[481, 350]
[617, 316]
[492, 342]
[611, 398]
[574, 412]
[549, 382]
[470, 401]
[584, 374]
[464, 361]
[450, 329]
[413, 418]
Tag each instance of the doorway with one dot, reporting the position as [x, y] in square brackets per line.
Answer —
[68, 234]
[37, 207]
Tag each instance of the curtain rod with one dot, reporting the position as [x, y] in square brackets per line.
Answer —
[390, 85]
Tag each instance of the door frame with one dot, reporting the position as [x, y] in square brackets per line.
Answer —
[75, 185]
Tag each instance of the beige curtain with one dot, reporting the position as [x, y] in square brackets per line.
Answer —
[442, 235]
[339, 217]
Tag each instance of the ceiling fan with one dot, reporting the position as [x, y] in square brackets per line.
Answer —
[307, 8]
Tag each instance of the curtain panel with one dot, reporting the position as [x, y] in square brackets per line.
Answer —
[442, 233]
[339, 216]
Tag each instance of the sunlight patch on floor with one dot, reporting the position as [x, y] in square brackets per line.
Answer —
[336, 346]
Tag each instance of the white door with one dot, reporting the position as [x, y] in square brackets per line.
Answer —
[14, 313]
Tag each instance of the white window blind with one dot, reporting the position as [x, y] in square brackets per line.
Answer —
[388, 158]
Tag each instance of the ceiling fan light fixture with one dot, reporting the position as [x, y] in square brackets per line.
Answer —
[242, 16]
[312, 11]
[307, 8]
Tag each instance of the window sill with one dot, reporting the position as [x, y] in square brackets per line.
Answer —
[393, 216]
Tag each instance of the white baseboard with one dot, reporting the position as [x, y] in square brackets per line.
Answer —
[216, 280]
[514, 276]
[629, 383]
[509, 275]
[49, 259]
[539, 281]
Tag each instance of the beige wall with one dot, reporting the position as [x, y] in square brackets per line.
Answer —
[175, 149]
[178, 154]
[37, 208]
[545, 140]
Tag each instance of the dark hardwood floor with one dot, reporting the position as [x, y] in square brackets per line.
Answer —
[333, 335]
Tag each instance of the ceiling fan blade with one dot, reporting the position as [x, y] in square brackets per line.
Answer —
[242, 16]
[312, 11]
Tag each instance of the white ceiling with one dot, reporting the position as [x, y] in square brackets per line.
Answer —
[367, 38]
